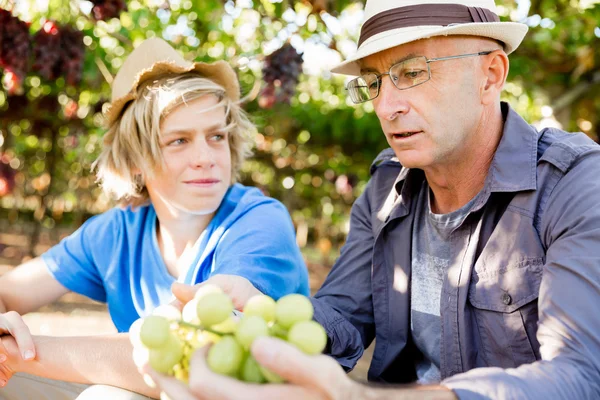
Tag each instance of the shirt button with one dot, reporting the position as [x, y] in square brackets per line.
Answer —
[506, 299]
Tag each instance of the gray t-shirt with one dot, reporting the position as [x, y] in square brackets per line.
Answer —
[438, 241]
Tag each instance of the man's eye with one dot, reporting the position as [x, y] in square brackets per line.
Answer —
[218, 137]
[414, 74]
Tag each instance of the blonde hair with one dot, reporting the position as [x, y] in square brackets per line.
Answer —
[132, 142]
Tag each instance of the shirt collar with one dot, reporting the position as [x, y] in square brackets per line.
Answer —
[513, 168]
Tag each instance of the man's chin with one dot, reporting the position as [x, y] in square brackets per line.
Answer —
[411, 159]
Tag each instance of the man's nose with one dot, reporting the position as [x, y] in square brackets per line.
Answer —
[391, 101]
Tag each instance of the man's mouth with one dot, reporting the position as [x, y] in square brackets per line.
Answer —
[404, 134]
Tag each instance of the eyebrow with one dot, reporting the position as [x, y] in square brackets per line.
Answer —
[396, 61]
[177, 131]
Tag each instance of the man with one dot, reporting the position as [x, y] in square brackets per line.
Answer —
[473, 256]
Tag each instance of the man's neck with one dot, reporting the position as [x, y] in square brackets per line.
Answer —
[453, 185]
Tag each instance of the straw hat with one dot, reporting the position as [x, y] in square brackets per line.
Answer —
[155, 57]
[390, 23]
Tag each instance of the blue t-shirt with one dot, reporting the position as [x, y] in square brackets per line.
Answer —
[114, 257]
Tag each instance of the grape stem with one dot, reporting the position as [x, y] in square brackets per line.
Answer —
[199, 327]
[278, 331]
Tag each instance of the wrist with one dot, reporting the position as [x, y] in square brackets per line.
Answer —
[404, 392]
[357, 391]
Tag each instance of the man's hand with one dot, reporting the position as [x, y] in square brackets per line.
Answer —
[16, 342]
[238, 288]
[308, 377]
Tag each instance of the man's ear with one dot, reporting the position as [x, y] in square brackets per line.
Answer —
[495, 71]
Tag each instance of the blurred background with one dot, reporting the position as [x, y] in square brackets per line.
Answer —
[314, 148]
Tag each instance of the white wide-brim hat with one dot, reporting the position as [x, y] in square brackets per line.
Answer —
[390, 23]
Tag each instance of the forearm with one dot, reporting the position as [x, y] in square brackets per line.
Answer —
[557, 379]
[92, 359]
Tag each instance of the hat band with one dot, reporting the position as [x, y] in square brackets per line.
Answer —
[424, 14]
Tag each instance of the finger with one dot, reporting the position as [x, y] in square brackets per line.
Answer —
[20, 331]
[3, 352]
[319, 372]
[221, 281]
[171, 386]
[177, 304]
[183, 292]
[5, 375]
[206, 384]
[237, 287]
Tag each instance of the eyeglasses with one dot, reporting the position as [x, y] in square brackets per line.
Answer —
[404, 75]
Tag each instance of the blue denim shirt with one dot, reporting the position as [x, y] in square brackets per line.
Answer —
[519, 311]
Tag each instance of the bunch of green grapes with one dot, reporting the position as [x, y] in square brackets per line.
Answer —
[167, 338]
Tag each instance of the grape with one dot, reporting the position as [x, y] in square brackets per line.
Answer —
[293, 308]
[180, 373]
[249, 329]
[189, 314]
[167, 339]
[228, 326]
[59, 51]
[141, 356]
[165, 358]
[214, 308]
[154, 332]
[225, 357]
[15, 47]
[281, 73]
[104, 10]
[168, 311]
[207, 289]
[261, 306]
[203, 338]
[46, 51]
[308, 336]
[134, 333]
[278, 331]
[72, 54]
[251, 371]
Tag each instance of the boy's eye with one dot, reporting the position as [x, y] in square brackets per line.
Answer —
[176, 142]
[217, 137]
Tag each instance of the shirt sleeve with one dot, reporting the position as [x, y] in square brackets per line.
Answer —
[343, 305]
[261, 247]
[73, 262]
[569, 321]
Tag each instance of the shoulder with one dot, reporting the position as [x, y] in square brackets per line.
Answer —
[117, 220]
[247, 213]
[242, 199]
[564, 149]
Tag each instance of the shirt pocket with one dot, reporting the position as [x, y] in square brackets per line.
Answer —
[505, 311]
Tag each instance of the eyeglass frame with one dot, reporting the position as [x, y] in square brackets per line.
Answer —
[427, 61]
